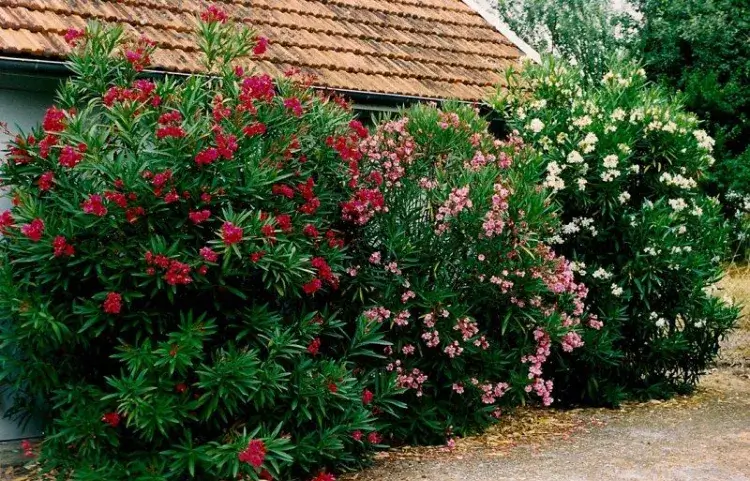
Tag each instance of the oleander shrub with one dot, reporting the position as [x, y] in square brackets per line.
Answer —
[453, 260]
[624, 162]
[172, 273]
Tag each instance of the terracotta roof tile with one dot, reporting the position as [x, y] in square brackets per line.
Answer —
[426, 48]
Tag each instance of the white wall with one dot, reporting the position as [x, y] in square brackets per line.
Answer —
[19, 109]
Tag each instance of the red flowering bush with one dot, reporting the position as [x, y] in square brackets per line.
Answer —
[452, 260]
[170, 273]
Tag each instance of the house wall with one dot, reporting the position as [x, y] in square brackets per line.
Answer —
[19, 108]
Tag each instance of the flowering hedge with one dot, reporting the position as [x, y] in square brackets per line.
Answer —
[624, 161]
[171, 268]
[476, 303]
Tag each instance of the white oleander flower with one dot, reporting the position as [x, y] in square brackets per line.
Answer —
[704, 140]
[678, 205]
[610, 161]
[575, 157]
[616, 290]
[610, 175]
[581, 183]
[536, 126]
[582, 122]
[624, 197]
[600, 273]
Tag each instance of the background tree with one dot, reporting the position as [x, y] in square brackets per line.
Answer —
[586, 32]
[702, 48]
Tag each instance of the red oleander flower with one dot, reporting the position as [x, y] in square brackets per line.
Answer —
[181, 387]
[113, 303]
[357, 435]
[6, 220]
[134, 213]
[284, 221]
[46, 180]
[73, 36]
[332, 387]
[207, 156]
[256, 256]
[312, 287]
[374, 438]
[310, 231]
[367, 397]
[206, 198]
[214, 14]
[54, 120]
[113, 419]
[70, 157]
[170, 118]
[257, 128]
[174, 131]
[254, 454]
[209, 254]
[323, 476]
[62, 248]
[198, 216]
[93, 205]
[177, 273]
[34, 230]
[257, 87]
[28, 448]
[118, 198]
[226, 145]
[359, 129]
[172, 197]
[231, 233]
[314, 346]
[282, 190]
[46, 144]
[261, 45]
[294, 105]
[160, 179]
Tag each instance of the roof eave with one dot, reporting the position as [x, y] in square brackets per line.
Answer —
[60, 69]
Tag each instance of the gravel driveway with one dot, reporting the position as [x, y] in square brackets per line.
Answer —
[702, 438]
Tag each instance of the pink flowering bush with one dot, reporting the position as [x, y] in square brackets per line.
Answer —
[625, 162]
[171, 270]
[452, 260]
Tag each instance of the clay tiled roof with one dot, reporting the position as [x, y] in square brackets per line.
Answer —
[426, 48]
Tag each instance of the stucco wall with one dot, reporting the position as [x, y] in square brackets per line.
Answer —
[19, 109]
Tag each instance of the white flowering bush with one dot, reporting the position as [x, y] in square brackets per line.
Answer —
[624, 162]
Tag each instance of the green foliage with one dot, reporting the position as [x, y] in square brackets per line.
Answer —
[624, 162]
[169, 274]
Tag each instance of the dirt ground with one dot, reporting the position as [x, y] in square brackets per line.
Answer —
[702, 437]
